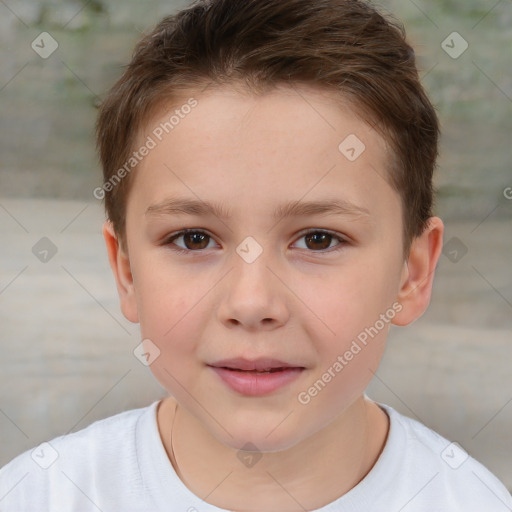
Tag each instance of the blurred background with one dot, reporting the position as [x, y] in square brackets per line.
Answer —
[67, 351]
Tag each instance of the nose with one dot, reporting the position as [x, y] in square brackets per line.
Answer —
[253, 297]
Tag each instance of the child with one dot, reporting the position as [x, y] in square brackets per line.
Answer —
[257, 129]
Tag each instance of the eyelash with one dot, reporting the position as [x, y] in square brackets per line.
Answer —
[169, 241]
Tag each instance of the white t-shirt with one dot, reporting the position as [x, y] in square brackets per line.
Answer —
[119, 464]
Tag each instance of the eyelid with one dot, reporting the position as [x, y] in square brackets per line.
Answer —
[334, 234]
[342, 239]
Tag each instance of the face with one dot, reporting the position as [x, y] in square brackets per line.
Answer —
[314, 288]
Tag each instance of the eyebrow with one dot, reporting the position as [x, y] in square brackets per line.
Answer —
[185, 206]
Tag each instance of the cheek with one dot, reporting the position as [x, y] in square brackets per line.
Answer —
[171, 320]
[353, 313]
[163, 295]
[344, 377]
[349, 357]
[343, 303]
[169, 313]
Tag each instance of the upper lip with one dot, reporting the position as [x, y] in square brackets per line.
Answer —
[254, 364]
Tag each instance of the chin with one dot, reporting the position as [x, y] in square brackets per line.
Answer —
[266, 440]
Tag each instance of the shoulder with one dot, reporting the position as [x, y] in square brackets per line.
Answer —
[97, 440]
[443, 470]
[74, 468]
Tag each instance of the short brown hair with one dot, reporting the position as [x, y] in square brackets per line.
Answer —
[346, 46]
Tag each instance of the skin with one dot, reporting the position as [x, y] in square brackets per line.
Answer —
[300, 301]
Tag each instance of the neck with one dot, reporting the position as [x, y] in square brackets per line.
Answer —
[341, 455]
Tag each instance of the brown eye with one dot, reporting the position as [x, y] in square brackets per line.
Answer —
[196, 240]
[193, 241]
[320, 241]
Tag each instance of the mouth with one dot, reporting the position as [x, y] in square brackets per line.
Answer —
[255, 366]
[256, 377]
[270, 370]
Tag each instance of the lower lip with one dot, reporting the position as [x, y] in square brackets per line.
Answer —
[256, 384]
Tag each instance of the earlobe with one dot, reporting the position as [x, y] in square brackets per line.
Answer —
[418, 273]
[120, 265]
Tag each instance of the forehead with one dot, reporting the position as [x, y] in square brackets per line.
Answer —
[250, 150]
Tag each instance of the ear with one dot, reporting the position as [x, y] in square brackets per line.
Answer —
[120, 264]
[418, 273]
